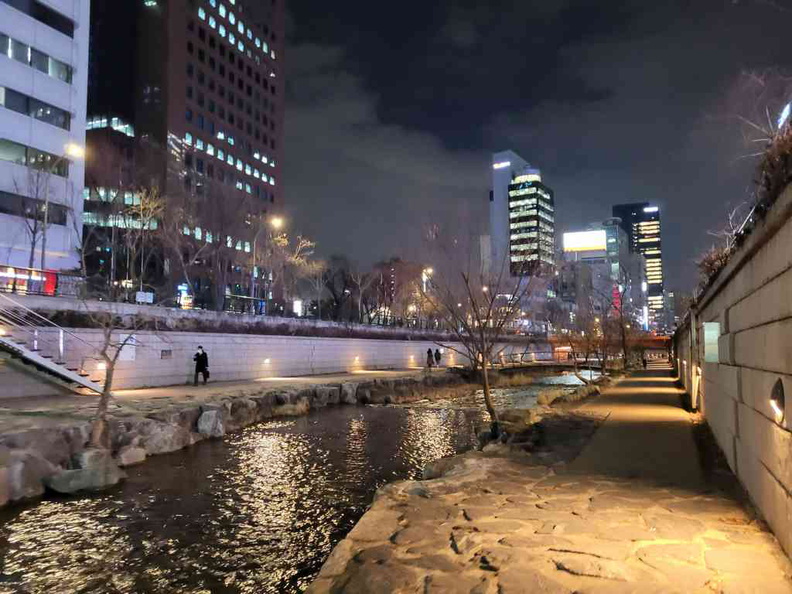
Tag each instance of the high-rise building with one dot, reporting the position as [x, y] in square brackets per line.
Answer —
[43, 87]
[604, 271]
[641, 222]
[198, 85]
[522, 217]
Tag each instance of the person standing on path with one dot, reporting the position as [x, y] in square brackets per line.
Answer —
[429, 358]
[201, 365]
[437, 357]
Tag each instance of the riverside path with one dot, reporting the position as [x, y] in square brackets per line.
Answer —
[647, 506]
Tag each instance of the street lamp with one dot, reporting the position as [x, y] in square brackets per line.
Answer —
[276, 223]
[75, 151]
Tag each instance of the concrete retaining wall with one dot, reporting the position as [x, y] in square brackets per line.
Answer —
[165, 358]
[731, 382]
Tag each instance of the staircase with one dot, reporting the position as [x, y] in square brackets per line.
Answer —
[33, 339]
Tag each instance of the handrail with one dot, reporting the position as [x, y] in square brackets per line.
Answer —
[47, 321]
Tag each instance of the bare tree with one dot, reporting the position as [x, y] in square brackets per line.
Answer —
[117, 335]
[316, 272]
[479, 307]
[361, 281]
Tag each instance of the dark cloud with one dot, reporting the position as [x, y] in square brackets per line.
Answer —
[394, 110]
[362, 187]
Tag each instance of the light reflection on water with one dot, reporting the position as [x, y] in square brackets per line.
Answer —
[257, 512]
[516, 397]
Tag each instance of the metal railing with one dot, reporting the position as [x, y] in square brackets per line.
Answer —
[37, 333]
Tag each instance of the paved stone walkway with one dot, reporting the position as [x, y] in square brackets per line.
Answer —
[634, 512]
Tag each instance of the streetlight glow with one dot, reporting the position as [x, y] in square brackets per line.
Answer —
[276, 222]
[75, 151]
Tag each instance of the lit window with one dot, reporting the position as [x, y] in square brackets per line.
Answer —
[272, 53]
[272, 181]
[233, 2]
[230, 160]
[198, 233]
[210, 150]
[250, 34]
[212, 22]
[232, 18]
[257, 155]
[241, 27]
[222, 31]
[248, 169]
[239, 185]
[213, 3]
[199, 144]
[240, 47]
[202, 14]
[232, 38]
[221, 154]
[247, 246]
[222, 10]
[257, 174]
[220, 135]
[231, 140]
[239, 164]
[188, 139]
[248, 189]
[258, 42]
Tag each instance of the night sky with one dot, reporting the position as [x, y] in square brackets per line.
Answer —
[394, 109]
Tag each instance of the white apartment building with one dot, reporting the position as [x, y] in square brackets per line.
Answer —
[43, 96]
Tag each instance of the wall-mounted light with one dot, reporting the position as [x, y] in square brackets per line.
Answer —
[101, 366]
[778, 400]
[501, 165]
[266, 361]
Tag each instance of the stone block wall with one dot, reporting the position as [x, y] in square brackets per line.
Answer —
[165, 358]
[751, 300]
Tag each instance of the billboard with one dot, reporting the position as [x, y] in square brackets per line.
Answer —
[585, 241]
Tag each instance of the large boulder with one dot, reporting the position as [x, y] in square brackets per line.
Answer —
[349, 393]
[96, 470]
[161, 438]
[130, 455]
[321, 397]
[333, 395]
[242, 412]
[26, 473]
[210, 423]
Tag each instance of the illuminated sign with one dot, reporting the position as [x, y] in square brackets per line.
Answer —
[501, 165]
[651, 209]
[585, 241]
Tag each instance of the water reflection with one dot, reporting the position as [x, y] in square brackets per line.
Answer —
[258, 512]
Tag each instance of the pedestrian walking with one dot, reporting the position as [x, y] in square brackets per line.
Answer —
[645, 362]
[438, 356]
[201, 365]
[429, 358]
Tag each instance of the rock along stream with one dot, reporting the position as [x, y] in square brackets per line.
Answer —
[256, 512]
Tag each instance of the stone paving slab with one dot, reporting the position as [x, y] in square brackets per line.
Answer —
[503, 522]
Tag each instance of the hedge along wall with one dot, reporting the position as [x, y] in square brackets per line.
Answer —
[165, 358]
[735, 359]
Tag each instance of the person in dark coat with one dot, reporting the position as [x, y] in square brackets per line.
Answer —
[438, 356]
[201, 365]
[429, 358]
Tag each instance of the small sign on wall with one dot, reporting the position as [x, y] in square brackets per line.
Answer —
[166, 354]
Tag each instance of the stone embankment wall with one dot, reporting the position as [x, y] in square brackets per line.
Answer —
[30, 459]
[734, 355]
[165, 358]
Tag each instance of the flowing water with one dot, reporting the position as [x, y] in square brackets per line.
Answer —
[256, 512]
